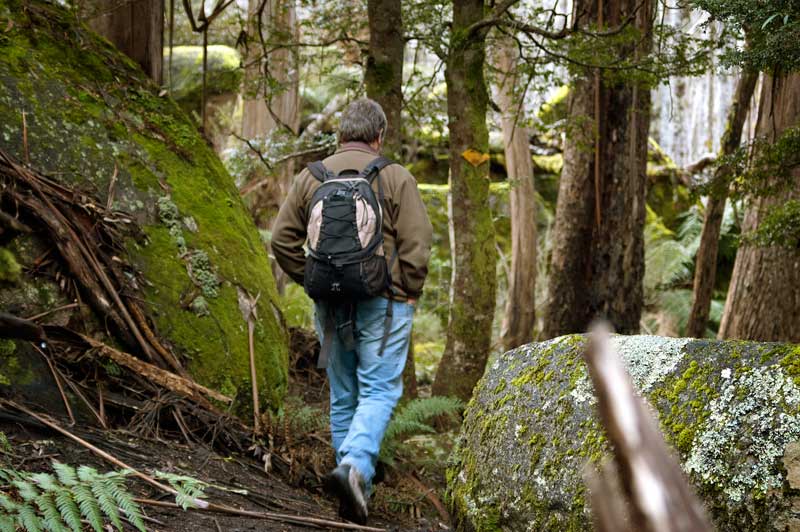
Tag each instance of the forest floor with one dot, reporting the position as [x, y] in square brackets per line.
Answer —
[406, 501]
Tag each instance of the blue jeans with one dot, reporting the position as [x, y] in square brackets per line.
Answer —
[365, 385]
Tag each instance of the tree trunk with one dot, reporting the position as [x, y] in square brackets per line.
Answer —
[384, 74]
[764, 295]
[410, 389]
[276, 21]
[597, 264]
[520, 313]
[705, 270]
[135, 27]
[472, 297]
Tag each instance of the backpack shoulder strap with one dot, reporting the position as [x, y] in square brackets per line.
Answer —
[373, 169]
[372, 172]
[319, 171]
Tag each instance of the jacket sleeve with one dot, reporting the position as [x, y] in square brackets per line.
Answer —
[414, 236]
[289, 233]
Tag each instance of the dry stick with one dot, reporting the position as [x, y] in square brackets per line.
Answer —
[52, 311]
[111, 184]
[25, 138]
[431, 496]
[199, 503]
[284, 518]
[186, 387]
[67, 406]
[247, 306]
[93, 410]
[660, 498]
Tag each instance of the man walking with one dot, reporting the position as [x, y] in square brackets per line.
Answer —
[369, 241]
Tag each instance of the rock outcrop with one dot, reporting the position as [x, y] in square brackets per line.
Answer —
[88, 117]
[731, 409]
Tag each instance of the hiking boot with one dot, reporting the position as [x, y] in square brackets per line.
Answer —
[347, 484]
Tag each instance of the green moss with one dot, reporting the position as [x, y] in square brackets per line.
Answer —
[10, 269]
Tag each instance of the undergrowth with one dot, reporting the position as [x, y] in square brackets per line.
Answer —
[415, 418]
[65, 500]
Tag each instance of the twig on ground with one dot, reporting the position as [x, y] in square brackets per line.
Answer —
[64, 399]
[271, 516]
[430, 494]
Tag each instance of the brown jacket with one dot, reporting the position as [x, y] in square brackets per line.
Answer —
[405, 221]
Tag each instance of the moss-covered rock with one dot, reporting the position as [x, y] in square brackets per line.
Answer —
[729, 408]
[91, 114]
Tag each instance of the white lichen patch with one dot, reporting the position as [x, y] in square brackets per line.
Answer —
[744, 436]
[648, 359]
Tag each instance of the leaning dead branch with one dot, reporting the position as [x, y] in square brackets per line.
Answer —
[659, 497]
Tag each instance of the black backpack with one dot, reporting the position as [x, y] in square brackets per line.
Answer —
[346, 261]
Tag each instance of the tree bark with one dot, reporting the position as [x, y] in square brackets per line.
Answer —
[764, 295]
[472, 297]
[410, 389]
[597, 264]
[384, 73]
[705, 269]
[135, 27]
[520, 312]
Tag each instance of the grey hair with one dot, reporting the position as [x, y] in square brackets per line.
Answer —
[362, 121]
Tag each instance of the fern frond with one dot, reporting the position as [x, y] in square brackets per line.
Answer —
[106, 501]
[124, 500]
[52, 517]
[27, 490]
[45, 481]
[7, 524]
[7, 504]
[69, 510]
[87, 474]
[90, 510]
[412, 419]
[66, 473]
[188, 488]
[28, 519]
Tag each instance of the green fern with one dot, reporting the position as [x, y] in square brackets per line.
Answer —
[39, 502]
[189, 489]
[413, 418]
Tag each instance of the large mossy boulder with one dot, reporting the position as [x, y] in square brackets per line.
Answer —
[94, 122]
[730, 409]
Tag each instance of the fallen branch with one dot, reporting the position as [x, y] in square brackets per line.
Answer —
[180, 385]
[271, 516]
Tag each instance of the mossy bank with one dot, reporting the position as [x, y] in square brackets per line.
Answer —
[94, 122]
[731, 409]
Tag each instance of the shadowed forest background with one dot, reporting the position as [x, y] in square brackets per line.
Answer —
[636, 161]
